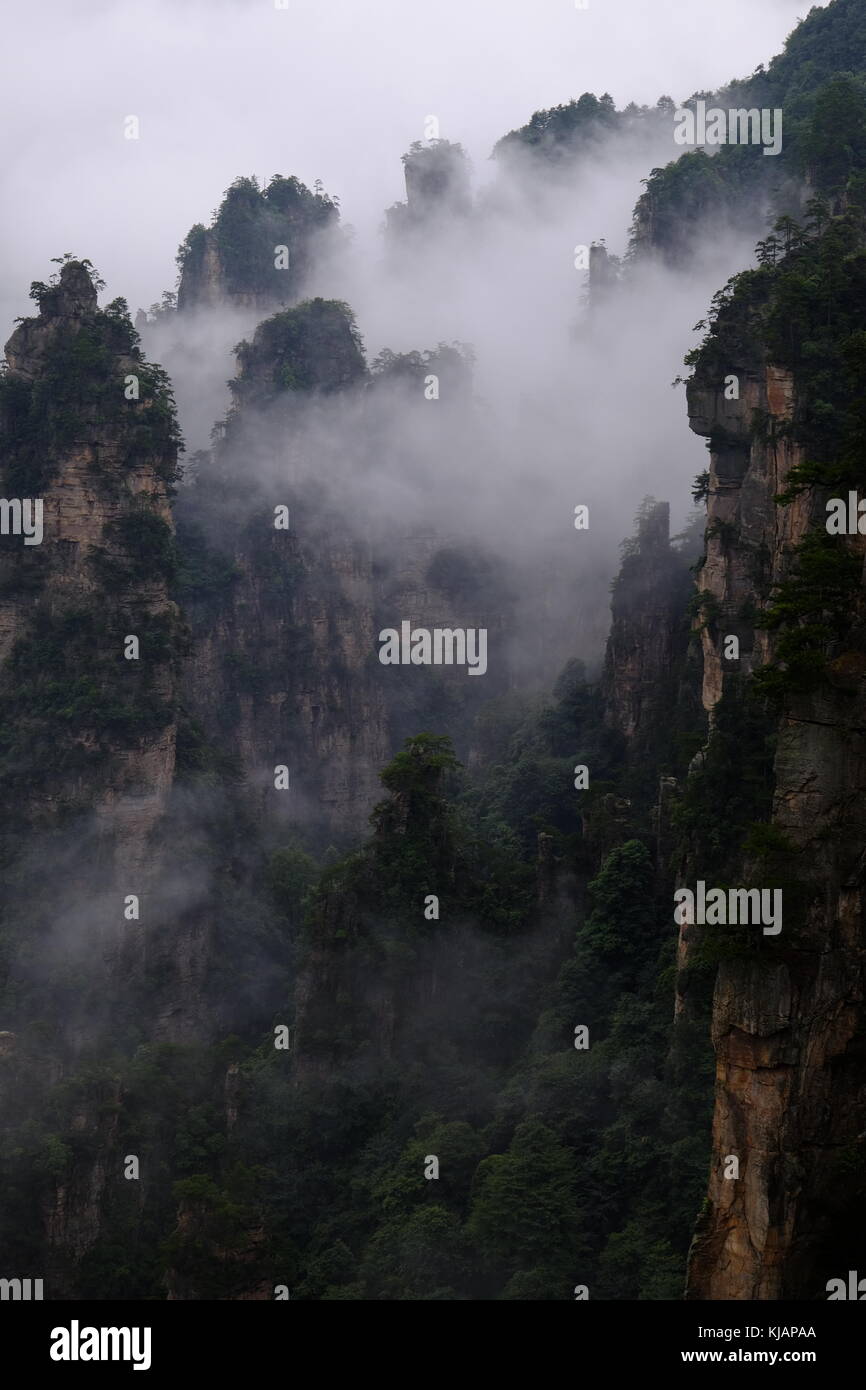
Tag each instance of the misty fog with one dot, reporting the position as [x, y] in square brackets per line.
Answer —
[568, 409]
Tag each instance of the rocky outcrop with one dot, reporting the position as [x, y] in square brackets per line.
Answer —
[437, 188]
[89, 433]
[788, 1018]
[90, 645]
[749, 537]
[260, 249]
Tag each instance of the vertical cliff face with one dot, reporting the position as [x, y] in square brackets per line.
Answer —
[280, 673]
[437, 179]
[749, 537]
[647, 638]
[288, 586]
[281, 593]
[649, 686]
[437, 189]
[88, 431]
[90, 644]
[788, 1013]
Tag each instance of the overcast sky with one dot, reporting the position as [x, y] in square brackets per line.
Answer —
[330, 89]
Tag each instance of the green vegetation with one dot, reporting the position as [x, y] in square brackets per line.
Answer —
[202, 574]
[68, 678]
[734, 771]
[557, 134]
[450, 1035]
[819, 83]
[810, 610]
[683, 197]
[555, 1163]
[67, 695]
[143, 550]
[249, 223]
[80, 392]
[315, 346]
[802, 309]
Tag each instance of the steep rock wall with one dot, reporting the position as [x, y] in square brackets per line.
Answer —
[787, 1023]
